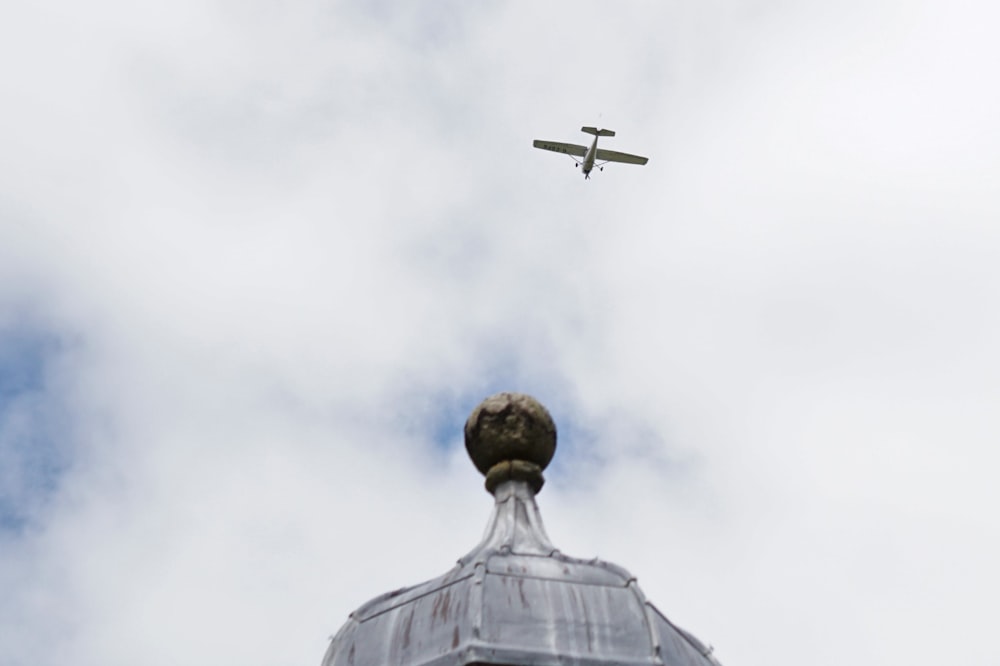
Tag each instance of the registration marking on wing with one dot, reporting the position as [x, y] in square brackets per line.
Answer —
[565, 148]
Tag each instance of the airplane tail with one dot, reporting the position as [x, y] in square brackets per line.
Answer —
[597, 132]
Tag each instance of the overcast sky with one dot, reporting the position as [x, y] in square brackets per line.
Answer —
[259, 260]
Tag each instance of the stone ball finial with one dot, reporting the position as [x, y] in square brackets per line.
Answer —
[510, 436]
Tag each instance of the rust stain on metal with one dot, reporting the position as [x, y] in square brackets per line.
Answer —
[446, 605]
[454, 638]
[588, 625]
[442, 607]
[520, 591]
[436, 609]
[407, 625]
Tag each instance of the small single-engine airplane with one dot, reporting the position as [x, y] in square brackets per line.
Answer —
[590, 155]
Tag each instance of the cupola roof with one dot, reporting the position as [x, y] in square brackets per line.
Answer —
[515, 599]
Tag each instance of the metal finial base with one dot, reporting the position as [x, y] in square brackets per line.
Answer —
[514, 470]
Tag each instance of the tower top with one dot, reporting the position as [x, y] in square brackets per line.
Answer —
[514, 599]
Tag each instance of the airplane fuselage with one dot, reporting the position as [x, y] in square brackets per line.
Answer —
[588, 160]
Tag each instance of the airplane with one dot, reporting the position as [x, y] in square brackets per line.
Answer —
[590, 155]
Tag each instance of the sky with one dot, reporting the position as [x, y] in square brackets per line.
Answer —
[260, 260]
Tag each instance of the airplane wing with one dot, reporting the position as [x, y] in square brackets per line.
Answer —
[615, 156]
[564, 148]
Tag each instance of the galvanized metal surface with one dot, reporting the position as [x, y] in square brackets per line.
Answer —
[515, 599]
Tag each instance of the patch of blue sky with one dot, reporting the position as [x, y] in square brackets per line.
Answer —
[22, 359]
[31, 457]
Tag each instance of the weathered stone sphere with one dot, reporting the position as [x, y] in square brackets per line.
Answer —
[508, 427]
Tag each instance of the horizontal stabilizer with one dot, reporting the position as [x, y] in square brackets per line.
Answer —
[597, 132]
[565, 148]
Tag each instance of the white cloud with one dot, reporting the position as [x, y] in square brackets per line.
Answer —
[285, 242]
